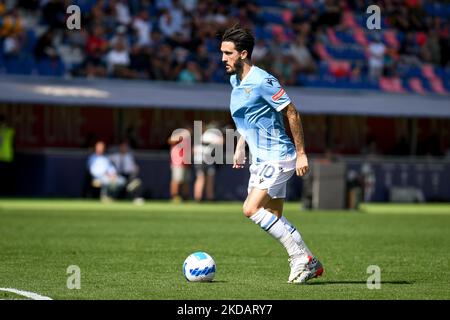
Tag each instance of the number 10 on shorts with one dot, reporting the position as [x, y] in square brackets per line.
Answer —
[267, 171]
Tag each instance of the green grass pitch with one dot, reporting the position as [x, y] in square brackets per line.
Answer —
[137, 252]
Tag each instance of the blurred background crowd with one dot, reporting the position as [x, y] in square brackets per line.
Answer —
[322, 43]
[394, 146]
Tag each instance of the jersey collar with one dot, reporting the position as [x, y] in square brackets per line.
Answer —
[247, 75]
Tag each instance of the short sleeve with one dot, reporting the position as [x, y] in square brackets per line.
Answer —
[274, 93]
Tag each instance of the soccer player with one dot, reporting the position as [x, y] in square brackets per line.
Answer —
[258, 104]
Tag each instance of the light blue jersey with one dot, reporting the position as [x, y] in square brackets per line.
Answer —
[255, 106]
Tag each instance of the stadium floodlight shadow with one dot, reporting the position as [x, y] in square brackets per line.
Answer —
[318, 283]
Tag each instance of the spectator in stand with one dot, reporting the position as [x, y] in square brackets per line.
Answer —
[399, 18]
[176, 12]
[376, 58]
[205, 63]
[122, 11]
[243, 17]
[304, 62]
[118, 61]
[299, 17]
[122, 36]
[320, 36]
[163, 63]
[218, 16]
[431, 51]
[356, 71]
[2, 7]
[11, 23]
[331, 13]
[191, 73]
[260, 50]
[176, 27]
[143, 28]
[12, 46]
[45, 48]
[107, 15]
[163, 4]
[54, 13]
[409, 50]
[189, 5]
[391, 60]
[96, 47]
[168, 25]
[283, 68]
[29, 5]
[140, 61]
[157, 39]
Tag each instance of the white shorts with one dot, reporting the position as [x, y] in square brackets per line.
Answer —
[273, 176]
[180, 174]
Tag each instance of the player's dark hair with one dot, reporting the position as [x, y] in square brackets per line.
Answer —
[241, 37]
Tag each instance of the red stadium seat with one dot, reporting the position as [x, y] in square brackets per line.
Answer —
[322, 52]
[416, 85]
[428, 72]
[391, 38]
[391, 85]
[437, 86]
[287, 16]
[348, 20]
[360, 37]
[339, 68]
[421, 38]
[278, 32]
[332, 37]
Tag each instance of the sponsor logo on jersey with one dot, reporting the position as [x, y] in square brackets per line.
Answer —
[270, 81]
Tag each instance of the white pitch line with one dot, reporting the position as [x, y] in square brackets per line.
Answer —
[27, 294]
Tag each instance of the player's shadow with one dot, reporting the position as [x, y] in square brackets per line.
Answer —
[319, 283]
[201, 283]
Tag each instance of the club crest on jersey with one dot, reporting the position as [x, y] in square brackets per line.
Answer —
[278, 95]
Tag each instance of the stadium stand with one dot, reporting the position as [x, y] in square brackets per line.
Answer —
[177, 40]
[61, 89]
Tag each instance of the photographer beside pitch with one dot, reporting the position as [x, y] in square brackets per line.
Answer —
[258, 103]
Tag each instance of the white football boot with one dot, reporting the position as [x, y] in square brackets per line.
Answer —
[313, 269]
[298, 264]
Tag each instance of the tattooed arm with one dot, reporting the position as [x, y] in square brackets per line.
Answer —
[295, 124]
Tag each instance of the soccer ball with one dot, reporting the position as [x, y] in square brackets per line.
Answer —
[199, 266]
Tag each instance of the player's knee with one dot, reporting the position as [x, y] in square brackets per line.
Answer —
[249, 209]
